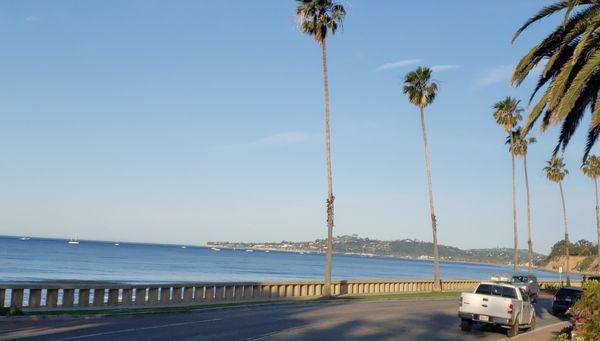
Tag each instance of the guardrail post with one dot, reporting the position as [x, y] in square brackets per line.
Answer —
[177, 292]
[297, 288]
[219, 292]
[126, 297]
[188, 295]
[52, 298]
[113, 297]
[304, 290]
[282, 290]
[98, 297]
[198, 294]
[35, 298]
[68, 298]
[152, 296]
[140, 296]
[16, 298]
[83, 299]
[165, 296]
[209, 294]
[229, 292]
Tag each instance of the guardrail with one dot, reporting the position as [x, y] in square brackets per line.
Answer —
[84, 295]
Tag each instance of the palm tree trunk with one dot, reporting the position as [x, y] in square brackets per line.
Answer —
[436, 266]
[529, 244]
[514, 192]
[597, 221]
[564, 207]
[330, 197]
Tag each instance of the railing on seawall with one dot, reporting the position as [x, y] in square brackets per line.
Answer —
[99, 295]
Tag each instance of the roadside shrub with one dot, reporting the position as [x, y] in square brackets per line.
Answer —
[550, 287]
[585, 315]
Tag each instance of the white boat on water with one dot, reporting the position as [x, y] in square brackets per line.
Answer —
[215, 249]
[73, 241]
[184, 247]
[267, 251]
[249, 250]
[24, 238]
[117, 244]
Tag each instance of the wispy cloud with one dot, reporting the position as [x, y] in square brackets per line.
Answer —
[398, 64]
[271, 141]
[444, 67]
[495, 75]
[280, 139]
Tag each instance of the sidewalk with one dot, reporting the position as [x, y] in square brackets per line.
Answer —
[545, 333]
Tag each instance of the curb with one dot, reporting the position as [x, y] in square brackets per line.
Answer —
[553, 327]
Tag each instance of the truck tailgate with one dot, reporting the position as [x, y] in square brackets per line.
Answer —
[488, 305]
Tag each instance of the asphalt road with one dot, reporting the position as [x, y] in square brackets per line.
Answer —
[414, 319]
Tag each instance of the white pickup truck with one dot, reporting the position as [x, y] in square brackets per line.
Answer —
[497, 303]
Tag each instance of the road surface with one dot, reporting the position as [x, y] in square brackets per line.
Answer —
[398, 319]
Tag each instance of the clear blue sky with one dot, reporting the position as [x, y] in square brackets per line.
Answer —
[190, 121]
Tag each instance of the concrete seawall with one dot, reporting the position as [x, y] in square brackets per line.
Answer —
[83, 295]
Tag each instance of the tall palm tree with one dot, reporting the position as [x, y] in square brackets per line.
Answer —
[571, 75]
[521, 142]
[421, 91]
[591, 168]
[507, 114]
[556, 172]
[318, 18]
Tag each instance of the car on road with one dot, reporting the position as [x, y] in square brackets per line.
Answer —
[529, 283]
[499, 303]
[564, 299]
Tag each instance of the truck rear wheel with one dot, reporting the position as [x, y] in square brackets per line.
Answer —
[466, 325]
[514, 329]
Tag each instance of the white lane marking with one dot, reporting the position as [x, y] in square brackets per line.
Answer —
[138, 329]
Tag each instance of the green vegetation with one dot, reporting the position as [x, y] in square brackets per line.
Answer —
[580, 248]
[421, 91]
[570, 57]
[507, 114]
[586, 315]
[317, 19]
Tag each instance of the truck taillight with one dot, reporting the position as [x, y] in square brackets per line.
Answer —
[460, 302]
[510, 309]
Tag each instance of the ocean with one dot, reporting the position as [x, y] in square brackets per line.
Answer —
[53, 259]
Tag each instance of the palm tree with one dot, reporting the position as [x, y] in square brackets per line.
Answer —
[521, 142]
[591, 168]
[317, 18]
[556, 172]
[507, 114]
[571, 74]
[421, 91]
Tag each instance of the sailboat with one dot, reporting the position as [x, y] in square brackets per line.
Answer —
[73, 241]
[25, 238]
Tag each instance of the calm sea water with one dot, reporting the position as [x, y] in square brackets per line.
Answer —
[48, 259]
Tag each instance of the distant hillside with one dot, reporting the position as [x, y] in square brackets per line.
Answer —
[583, 257]
[406, 248]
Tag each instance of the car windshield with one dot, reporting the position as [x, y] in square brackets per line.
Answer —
[520, 279]
[496, 290]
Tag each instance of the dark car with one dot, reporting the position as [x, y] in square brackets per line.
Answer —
[591, 278]
[564, 299]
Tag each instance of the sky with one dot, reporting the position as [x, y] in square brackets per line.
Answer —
[193, 121]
